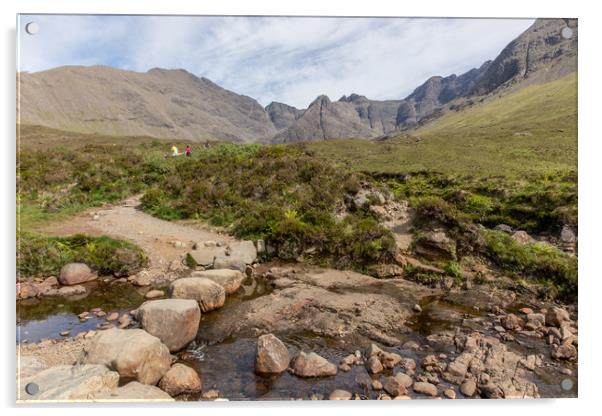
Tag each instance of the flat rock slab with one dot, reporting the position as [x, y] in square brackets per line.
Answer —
[135, 391]
[205, 256]
[131, 352]
[230, 280]
[174, 321]
[28, 366]
[227, 262]
[243, 250]
[69, 382]
[206, 292]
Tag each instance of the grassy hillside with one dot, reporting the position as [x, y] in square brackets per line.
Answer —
[531, 131]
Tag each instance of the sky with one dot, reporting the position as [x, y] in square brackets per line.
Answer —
[286, 59]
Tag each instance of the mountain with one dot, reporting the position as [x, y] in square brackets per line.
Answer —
[176, 104]
[283, 115]
[540, 54]
[160, 103]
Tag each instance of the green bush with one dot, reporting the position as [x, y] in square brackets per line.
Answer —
[278, 193]
[539, 261]
[39, 255]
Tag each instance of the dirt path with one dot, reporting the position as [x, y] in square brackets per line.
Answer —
[162, 240]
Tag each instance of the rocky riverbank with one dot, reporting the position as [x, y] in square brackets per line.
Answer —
[341, 335]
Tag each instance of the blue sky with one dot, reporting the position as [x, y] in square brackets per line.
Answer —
[291, 60]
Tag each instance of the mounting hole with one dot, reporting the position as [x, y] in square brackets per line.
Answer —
[567, 33]
[566, 384]
[32, 28]
[32, 389]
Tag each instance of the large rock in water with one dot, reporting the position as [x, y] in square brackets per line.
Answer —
[207, 293]
[230, 280]
[204, 256]
[313, 365]
[231, 263]
[181, 379]
[69, 382]
[271, 356]
[174, 321]
[435, 245]
[243, 250]
[131, 352]
[137, 392]
[75, 273]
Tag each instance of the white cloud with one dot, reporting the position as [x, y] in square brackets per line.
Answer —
[291, 60]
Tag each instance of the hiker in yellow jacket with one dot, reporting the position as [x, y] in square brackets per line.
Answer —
[174, 150]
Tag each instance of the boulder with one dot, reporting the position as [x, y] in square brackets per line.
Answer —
[69, 382]
[174, 321]
[271, 356]
[134, 391]
[133, 353]
[206, 292]
[374, 366]
[231, 263]
[404, 379]
[435, 245]
[181, 379]
[313, 365]
[425, 388]
[505, 228]
[394, 387]
[229, 279]
[468, 388]
[76, 273]
[511, 322]
[244, 251]
[27, 289]
[204, 256]
[556, 316]
[340, 395]
[522, 237]
[389, 359]
[564, 352]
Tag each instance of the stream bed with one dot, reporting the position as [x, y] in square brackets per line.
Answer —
[228, 366]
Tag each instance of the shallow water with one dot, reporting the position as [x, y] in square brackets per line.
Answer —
[39, 319]
[228, 366]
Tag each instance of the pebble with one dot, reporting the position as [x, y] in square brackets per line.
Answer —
[113, 316]
[449, 393]
[468, 388]
[64, 333]
[377, 385]
[340, 395]
[417, 308]
[210, 394]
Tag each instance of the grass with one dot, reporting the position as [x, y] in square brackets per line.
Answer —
[39, 255]
[529, 132]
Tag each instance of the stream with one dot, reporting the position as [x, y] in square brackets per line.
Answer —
[228, 366]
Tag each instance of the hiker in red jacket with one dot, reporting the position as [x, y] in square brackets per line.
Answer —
[188, 150]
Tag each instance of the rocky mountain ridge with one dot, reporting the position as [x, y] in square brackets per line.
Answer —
[175, 103]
